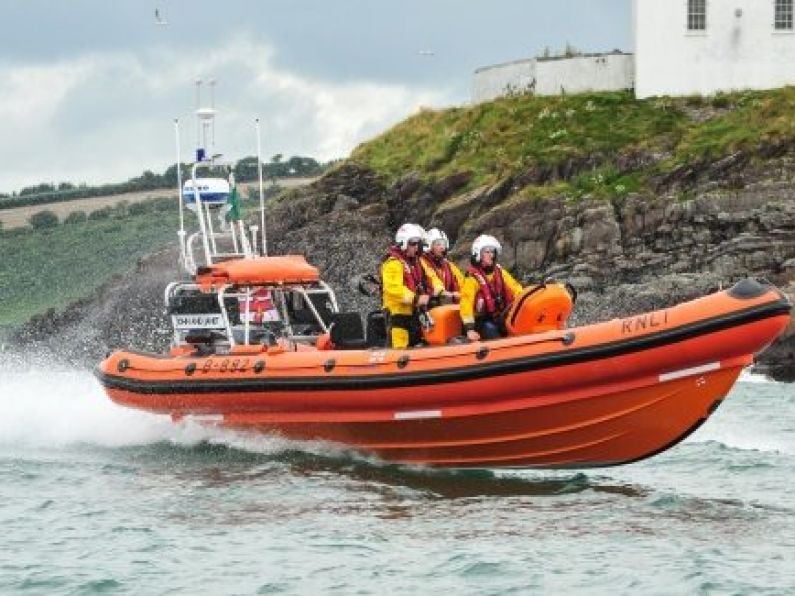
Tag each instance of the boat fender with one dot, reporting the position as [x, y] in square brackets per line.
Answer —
[259, 366]
[123, 365]
[329, 365]
[482, 352]
[190, 368]
[403, 361]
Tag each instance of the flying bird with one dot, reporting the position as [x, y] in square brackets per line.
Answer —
[158, 19]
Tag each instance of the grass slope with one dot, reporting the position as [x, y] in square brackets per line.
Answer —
[51, 268]
[506, 136]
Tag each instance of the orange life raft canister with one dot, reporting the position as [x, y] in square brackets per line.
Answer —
[540, 308]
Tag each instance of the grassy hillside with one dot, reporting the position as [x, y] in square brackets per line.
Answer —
[50, 268]
[506, 136]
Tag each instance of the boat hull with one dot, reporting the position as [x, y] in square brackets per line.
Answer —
[597, 395]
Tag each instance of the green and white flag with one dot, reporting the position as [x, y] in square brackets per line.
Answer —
[233, 205]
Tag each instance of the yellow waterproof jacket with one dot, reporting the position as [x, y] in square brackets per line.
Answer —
[397, 298]
[470, 289]
[436, 281]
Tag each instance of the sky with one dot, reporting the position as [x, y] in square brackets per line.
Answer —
[89, 89]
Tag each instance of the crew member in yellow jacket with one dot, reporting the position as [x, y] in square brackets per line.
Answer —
[406, 289]
[442, 271]
[488, 291]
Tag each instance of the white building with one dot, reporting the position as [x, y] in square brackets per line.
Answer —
[685, 47]
[682, 47]
[554, 76]
[497, 80]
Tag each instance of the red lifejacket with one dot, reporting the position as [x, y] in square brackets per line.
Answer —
[413, 274]
[444, 271]
[495, 295]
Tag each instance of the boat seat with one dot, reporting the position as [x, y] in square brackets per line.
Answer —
[204, 336]
[204, 341]
[376, 329]
[300, 313]
[347, 331]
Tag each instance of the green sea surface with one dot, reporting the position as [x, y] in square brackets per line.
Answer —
[97, 499]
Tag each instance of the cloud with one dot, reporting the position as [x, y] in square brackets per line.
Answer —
[104, 117]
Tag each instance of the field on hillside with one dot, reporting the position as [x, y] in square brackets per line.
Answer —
[51, 268]
[18, 216]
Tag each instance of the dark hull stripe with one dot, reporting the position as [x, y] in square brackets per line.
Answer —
[471, 372]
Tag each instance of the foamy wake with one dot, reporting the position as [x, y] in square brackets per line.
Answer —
[748, 377]
[66, 407]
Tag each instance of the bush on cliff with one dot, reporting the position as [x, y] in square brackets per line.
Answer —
[75, 217]
[43, 219]
[99, 214]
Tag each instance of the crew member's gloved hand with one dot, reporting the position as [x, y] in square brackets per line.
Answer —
[423, 300]
[473, 335]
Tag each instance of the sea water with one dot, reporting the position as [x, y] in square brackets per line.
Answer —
[95, 498]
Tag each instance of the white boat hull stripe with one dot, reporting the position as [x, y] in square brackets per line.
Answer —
[418, 414]
[687, 372]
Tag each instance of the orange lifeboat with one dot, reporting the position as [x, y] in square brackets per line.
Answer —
[546, 397]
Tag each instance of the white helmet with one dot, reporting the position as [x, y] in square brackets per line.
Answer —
[408, 232]
[485, 241]
[434, 235]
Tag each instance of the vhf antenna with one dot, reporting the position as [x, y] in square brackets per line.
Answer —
[212, 126]
[205, 122]
[198, 121]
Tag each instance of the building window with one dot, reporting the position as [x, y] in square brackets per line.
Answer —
[784, 15]
[697, 15]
